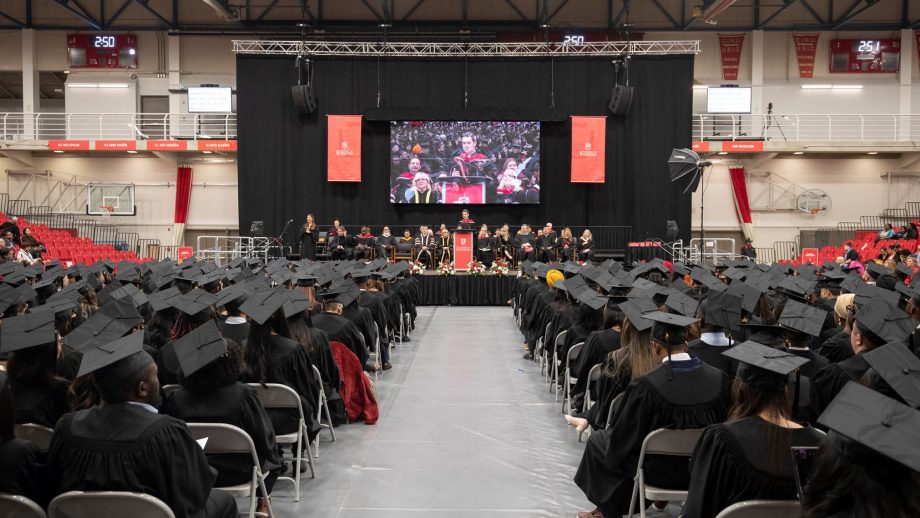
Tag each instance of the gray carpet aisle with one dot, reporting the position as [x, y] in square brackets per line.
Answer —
[467, 428]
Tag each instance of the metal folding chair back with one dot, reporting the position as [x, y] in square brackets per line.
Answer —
[544, 364]
[593, 375]
[377, 358]
[554, 380]
[679, 443]
[226, 438]
[93, 504]
[611, 412]
[17, 506]
[169, 389]
[570, 355]
[762, 509]
[35, 433]
[323, 407]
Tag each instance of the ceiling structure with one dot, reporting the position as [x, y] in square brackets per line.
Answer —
[453, 18]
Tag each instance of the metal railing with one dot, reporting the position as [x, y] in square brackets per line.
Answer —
[120, 126]
[807, 127]
[223, 249]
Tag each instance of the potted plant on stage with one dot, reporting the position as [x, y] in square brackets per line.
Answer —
[416, 267]
[476, 268]
[446, 268]
[500, 267]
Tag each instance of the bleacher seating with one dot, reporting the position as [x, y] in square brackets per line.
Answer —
[67, 247]
[865, 245]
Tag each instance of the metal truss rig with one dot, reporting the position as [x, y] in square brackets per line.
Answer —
[463, 50]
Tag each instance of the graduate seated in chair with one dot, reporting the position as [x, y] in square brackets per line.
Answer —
[124, 444]
[681, 393]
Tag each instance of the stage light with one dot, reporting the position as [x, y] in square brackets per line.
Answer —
[872, 153]
[799, 153]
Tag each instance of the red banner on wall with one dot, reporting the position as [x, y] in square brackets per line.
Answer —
[589, 136]
[344, 148]
[68, 145]
[806, 47]
[116, 145]
[810, 255]
[730, 46]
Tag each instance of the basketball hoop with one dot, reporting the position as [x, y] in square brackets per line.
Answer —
[106, 210]
[815, 211]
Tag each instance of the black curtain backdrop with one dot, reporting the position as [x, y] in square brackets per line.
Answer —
[282, 155]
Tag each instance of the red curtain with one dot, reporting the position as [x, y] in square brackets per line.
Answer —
[183, 193]
[742, 204]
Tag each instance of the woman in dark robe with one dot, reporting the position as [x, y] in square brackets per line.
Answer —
[316, 342]
[585, 246]
[749, 457]
[22, 465]
[485, 247]
[39, 395]
[308, 238]
[597, 346]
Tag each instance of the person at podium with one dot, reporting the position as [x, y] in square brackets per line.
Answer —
[466, 223]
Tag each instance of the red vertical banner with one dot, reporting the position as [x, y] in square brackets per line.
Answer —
[344, 148]
[589, 137]
[463, 250]
[730, 46]
[810, 255]
[806, 47]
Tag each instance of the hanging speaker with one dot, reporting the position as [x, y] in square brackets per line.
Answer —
[621, 98]
[304, 99]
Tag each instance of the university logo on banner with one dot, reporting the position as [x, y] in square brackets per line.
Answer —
[730, 46]
[344, 148]
[589, 136]
[806, 46]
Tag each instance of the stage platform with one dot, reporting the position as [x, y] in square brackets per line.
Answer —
[462, 289]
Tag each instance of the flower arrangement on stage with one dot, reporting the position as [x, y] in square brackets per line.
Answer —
[500, 267]
[476, 268]
[446, 268]
[416, 267]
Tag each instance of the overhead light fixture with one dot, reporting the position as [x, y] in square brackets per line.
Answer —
[817, 87]
[97, 85]
[798, 153]
[723, 152]
[872, 153]
[848, 87]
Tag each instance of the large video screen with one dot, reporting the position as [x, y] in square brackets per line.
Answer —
[465, 162]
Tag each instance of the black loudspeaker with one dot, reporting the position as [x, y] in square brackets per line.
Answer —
[621, 98]
[304, 99]
[255, 228]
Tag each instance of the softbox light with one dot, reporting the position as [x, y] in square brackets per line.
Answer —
[686, 169]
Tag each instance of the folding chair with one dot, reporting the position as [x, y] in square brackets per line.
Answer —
[226, 438]
[377, 349]
[554, 380]
[593, 375]
[169, 389]
[544, 363]
[275, 395]
[16, 506]
[323, 407]
[93, 504]
[679, 443]
[570, 380]
[762, 509]
[613, 407]
[35, 433]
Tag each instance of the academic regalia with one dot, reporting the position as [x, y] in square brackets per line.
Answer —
[484, 250]
[597, 346]
[239, 333]
[730, 465]
[339, 248]
[913, 342]
[39, 405]
[608, 388]
[322, 358]
[374, 301]
[697, 396]
[385, 244]
[712, 355]
[566, 250]
[340, 329]
[520, 240]
[837, 348]
[546, 247]
[445, 249]
[237, 405]
[585, 249]
[466, 224]
[364, 320]
[425, 256]
[364, 244]
[404, 246]
[24, 471]
[829, 381]
[125, 447]
[308, 243]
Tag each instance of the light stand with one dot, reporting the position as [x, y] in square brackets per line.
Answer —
[771, 120]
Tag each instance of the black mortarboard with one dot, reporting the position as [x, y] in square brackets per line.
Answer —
[682, 304]
[127, 274]
[669, 319]
[44, 283]
[707, 279]
[797, 287]
[131, 292]
[208, 278]
[749, 295]
[807, 271]
[851, 283]
[764, 367]
[125, 356]
[282, 276]
[343, 295]
[680, 269]
[236, 293]
[99, 329]
[10, 267]
[903, 271]
[885, 321]
[194, 301]
[261, 305]
[296, 303]
[124, 311]
[160, 300]
[15, 277]
[723, 310]
[735, 274]
[361, 275]
[875, 421]
[59, 305]
[587, 296]
[875, 270]
[634, 309]
[599, 276]
[900, 368]
[25, 331]
[870, 292]
[199, 348]
[8, 296]
[802, 317]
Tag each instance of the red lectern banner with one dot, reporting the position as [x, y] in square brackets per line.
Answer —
[463, 250]
[730, 46]
[344, 148]
[810, 255]
[589, 135]
[806, 46]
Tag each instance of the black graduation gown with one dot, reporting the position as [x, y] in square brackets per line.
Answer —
[807, 411]
[597, 346]
[124, 447]
[696, 397]
[374, 301]
[519, 240]
[730, 465]
[39, 405]
[712, 355]
[364, 321]
[585, 249]
[575, 334]
[239, 333]
[238, 405]
[608, 388]
[340, 329]
[23, 471]
[829, 381]
[914, 341]
[308, 244]
[484, 250]
[837, 348]
[322, 358]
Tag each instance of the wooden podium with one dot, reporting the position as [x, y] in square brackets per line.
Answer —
[463, 249]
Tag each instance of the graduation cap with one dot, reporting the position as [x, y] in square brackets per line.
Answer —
[680, 269]
[599, 276]
[261, 305]
[735, 274]
[797, 287]
[723, 310]
[749, 295]
[876, 422]
[123, 310]
[25, 331]
[131, 292]
[670, 320]
[56, 306]
[378, 263]
[803, 318]
[903, 271]
[236, 293]
[866, 293]
[361, 275]
[876, 270]
[634, 310]
[194, 301]
[15, 277]
[125, 356]
[199, 348]
[282, 276]
[588, 297]
[160, 300]
[764, 367]
[707, 279]
[8, 296]
[900, 368]
[127, 274]
[884, 322]
[296, 303]
[851, 283]
[807, 271]
[682, 304]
